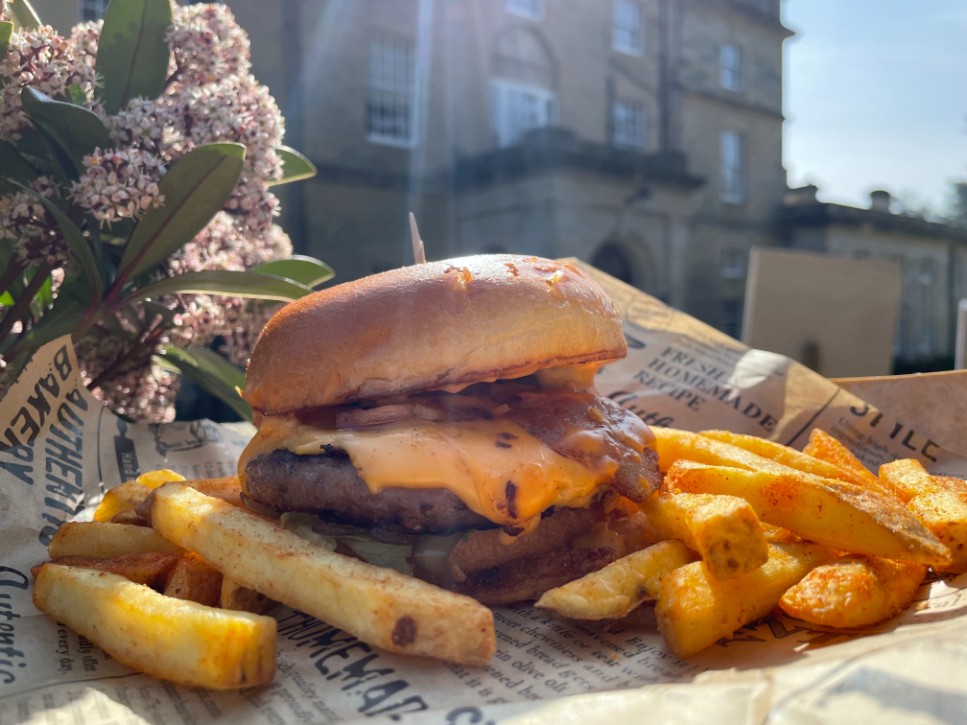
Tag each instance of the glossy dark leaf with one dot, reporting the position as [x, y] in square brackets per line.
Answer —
[295, 166]
[224, 282]
[132, 55]
[73, 298]
[79, 246]
[212, 373]
[13, 167]
[306, 270]
[24, 14]
[194, 189]
[74, 129]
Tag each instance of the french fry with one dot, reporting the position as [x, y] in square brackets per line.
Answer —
[673, 445]
[123, 500]
[150, 569]
[695, 610]
[619, 587]
[853, 591]
[940, 502]
[101, 539]
[838, 514]
[191, 578]
[944, 513]
[785, 455]
[380, 606]
[908, 478]
[827, 448]
[724, 530]
[234, 596]
[171, 639]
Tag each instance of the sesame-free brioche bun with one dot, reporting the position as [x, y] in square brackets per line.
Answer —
[446, 323]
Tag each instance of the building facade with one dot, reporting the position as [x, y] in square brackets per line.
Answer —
[644, 136]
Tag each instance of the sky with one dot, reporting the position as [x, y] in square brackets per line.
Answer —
[876, 98]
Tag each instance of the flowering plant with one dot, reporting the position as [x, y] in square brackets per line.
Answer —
[137, 160]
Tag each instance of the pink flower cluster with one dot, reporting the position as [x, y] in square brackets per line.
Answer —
[210, 96]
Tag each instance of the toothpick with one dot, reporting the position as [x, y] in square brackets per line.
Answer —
[419, 254]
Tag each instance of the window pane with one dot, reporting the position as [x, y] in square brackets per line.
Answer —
[389, 99]
[733, 183]
[628, 125]
[626, 33]
[519, 108]
[730, 68]
[533, 9]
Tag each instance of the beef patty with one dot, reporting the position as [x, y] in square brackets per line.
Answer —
[327, 484]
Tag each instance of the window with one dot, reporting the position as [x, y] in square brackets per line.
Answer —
[389, 98]
[733, 181]
[626, 32]
[518, 108]
[628, 125]
[733, 263]
[533, 9]
[732, 311]
[730, 68]
[93, 9]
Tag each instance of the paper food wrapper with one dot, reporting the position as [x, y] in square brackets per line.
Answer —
[59, 450]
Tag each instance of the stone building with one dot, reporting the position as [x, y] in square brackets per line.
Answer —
[932, 258]
[644, 136]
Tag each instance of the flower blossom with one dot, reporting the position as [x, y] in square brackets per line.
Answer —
[24, 220]
[39, 58]
[118, 184]
[207, 44]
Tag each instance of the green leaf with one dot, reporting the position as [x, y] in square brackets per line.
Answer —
[195, 188]
[73, 297]
[305, 270]
[79, 246]
[132, 55]
[212, 373]
[6, 33]
[223, 282]
[74, 129]
[24, 14]
[295, 166]
[13, 168]
[76, 95]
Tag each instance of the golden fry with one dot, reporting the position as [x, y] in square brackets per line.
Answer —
[191, 578]
[380, 606]
[908, 478]
[945, 514]
[787, 456]
[619, 587]
[724, 530]
[170, 639]
[124, 499]
[695, 610]
[673, 444]
[838, 514]
[150, 569]
[101, 539]
[234, 596]
[827, 448]
[853, 591]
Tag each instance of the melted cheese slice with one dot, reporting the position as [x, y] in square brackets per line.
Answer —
[495, 467]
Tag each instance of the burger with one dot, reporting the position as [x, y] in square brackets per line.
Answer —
[441, 418]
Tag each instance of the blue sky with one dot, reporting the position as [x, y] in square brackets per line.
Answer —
[876, 97]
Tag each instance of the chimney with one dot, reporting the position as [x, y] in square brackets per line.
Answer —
[881, 200]
[801, 195]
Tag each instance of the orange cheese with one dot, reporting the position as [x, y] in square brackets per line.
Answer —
[495, 467]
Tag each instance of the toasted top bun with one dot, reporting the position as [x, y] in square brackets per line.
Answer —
[448, 323]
